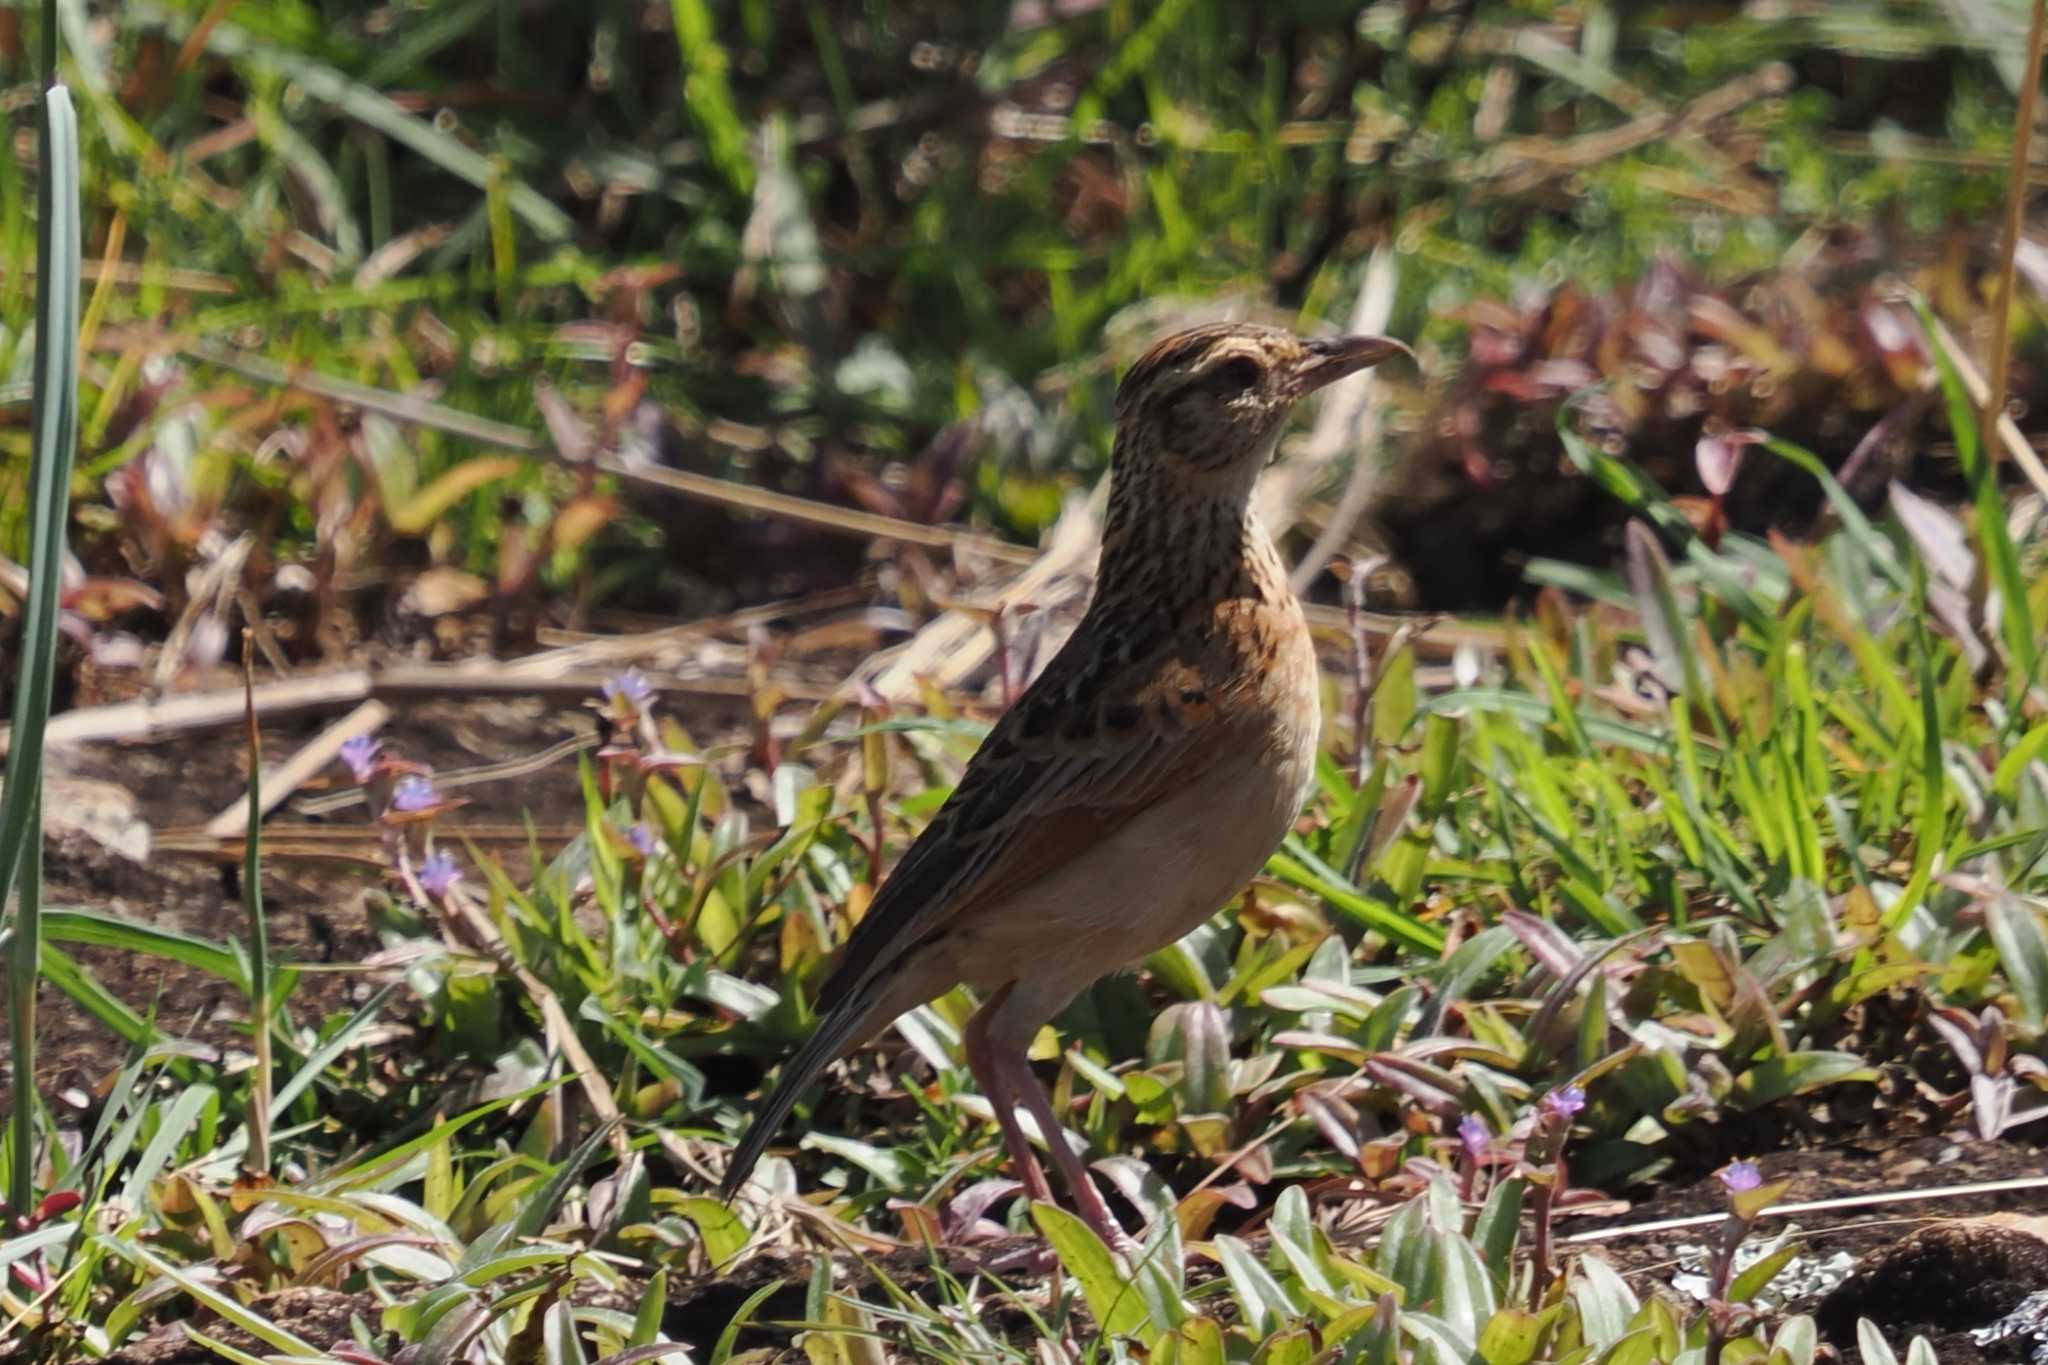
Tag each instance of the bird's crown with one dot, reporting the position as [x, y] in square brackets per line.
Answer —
[1215, 397]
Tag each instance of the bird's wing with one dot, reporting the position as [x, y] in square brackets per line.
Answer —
[1083, 751]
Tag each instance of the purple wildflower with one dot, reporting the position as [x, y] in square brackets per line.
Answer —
[643, 840]
[1562, 1103]
[439, 873]
[360, 754]
[1741, 1176]
[629, 690]
[414, 793]
[1474, 1135]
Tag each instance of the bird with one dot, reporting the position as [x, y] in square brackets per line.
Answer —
[1140, 781]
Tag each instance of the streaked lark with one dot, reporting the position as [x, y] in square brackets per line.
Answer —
[1141, 780]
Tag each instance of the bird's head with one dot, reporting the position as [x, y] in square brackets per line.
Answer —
[1212, 401]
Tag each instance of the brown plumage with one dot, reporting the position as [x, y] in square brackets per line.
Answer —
[1142, 779]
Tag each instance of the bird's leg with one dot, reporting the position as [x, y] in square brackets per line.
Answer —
[1014, 1062]
[984, 1060]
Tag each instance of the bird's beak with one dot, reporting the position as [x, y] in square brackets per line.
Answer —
[1331, 358]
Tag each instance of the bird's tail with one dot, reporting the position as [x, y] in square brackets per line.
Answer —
[843, 1027]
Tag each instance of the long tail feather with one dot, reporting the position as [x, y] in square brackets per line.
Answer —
[843, 1026]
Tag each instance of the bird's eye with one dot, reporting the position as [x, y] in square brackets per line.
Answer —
[1232, 377]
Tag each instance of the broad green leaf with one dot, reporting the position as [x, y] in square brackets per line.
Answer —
[1510, 1337]
[1797, 1340]
[1760, 1273]
[1116, 1305]
[1606, 1304]
[1499, 1222]
[2015, 928]
[1871, 1343]
[1778, 1077]
[1264, 1303]
[1198, 1341]
[725, 1236]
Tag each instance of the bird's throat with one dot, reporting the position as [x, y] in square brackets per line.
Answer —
[1200, 546]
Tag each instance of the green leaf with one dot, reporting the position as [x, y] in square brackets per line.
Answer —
[561, 1344]
[1499, 1222]
[1294, 1237]
[1264, 1303]
[1871, 1343]
[1797, 1342]
[1294, 1347]
[1510, 1337]
[1605, 1303]
[1776, 1078]
[1760, 1273]
[322, 82]
[1668, 631]
[2022, 943]
[725, 1236]
[1198, 1341]
[55, 422]
[418, 513]
[1115, 1304]
[1465, 1297]
[1877, 552]
[205, 1294]
[721, 1350]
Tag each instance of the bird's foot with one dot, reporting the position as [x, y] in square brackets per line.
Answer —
[1122, 1243]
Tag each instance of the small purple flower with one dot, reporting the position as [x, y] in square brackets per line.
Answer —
[629, 690]
[439, 873]
[1741, 1176]
[1562, 1103]
[414, 793]
[643, 840]
[360, 754]
[1474, 1135]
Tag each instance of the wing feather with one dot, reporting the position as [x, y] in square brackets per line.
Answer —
[1053, 779]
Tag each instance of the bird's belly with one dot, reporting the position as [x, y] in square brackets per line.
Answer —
[1156, 879]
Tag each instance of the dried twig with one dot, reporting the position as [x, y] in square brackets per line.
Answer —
[1346, 422]
[440, 417]
[1844, 1203]
[277, 784]
[359, 845]
[2015, 204]
[145, 719]
[2016, 443]
[957, 644]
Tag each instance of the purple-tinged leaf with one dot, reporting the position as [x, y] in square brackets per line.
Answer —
[1937, 535]
[1719, 458]
[1649, 582]
[1435, 1089]
[1552, 948]
[1990, 1104]
[967, 1212]
[1961, 1038]
[569, 432]
[1335, 1119]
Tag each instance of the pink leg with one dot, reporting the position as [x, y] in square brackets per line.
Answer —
[1015, 1065]
[984, 1060]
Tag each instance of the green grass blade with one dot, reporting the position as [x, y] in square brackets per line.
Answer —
[96, 929]
[56, 431]
[259, 928]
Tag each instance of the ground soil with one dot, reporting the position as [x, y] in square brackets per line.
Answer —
[1947, 1296]
[318, 906]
